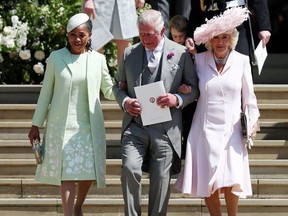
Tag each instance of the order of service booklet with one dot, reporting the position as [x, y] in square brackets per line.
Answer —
[100, 34]
[147, 95]
[260, 55]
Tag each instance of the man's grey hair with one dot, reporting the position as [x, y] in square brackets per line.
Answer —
[151, 16]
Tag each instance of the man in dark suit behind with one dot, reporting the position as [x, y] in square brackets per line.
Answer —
[170, 8]
[159, 144]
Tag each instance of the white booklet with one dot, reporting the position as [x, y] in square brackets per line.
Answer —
[260, 55]
[100, 34]
[147, 95]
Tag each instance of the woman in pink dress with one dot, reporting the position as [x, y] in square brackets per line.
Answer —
[216, 156]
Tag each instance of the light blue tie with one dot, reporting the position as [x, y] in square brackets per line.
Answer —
[152, 63]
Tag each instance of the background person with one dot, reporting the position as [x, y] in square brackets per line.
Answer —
[216, 156]
[119, 17]
[159, 145]
[178, 29]
[74, 137]
[170, 8]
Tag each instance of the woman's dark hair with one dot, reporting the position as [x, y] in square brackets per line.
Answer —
[89, 25]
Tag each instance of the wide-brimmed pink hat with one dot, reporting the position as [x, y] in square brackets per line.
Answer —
[231, 18]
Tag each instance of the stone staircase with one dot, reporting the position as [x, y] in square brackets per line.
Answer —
[21, 195]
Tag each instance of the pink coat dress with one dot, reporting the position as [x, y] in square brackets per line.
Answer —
[216, 155]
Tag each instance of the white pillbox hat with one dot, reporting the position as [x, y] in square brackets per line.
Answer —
[76, 20]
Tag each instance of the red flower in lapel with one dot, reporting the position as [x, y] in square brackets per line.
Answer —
[170, 55]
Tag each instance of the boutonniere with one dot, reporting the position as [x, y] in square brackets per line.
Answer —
[170, 55]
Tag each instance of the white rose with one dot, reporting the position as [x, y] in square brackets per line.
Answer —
[14, 19]
[7, 30]
[39, 55]
[38, 68]
[9, 42]
[25, 54]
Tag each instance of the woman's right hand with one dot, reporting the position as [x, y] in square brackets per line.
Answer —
[33, 134]
[190, 45]
[89, 8]
[184, 89]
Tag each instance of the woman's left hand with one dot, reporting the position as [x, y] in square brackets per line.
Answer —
[254, 129]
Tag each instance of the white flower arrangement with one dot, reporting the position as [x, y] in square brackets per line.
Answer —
[29, 32]
[12, 38]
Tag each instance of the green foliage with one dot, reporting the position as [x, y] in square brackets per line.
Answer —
[38, 27]
[46, 22]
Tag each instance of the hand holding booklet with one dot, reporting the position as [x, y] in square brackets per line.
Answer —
[147, 95]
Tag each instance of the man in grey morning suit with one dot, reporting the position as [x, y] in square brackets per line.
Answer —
[157, 144]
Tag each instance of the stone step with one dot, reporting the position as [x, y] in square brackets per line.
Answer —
[29, 188]
[277, 94]
[262, 149]
[18, 130]
[274, 70]
[113, 207]
[25, 168]
[111, 111]
[23, 125]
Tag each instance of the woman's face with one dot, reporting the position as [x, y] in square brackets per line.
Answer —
[221, 44]
[78, 39]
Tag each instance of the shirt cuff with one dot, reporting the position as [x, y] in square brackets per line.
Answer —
[180, 101]
[123, 103]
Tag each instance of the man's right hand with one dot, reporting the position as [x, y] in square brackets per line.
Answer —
[132, 106]
[189, 43]
[89, 8]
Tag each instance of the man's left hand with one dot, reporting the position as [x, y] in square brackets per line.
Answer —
[167, 100]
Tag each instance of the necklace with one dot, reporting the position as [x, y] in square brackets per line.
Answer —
[221, 61]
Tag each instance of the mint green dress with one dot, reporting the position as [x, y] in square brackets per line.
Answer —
[77, 149]
[62, 117]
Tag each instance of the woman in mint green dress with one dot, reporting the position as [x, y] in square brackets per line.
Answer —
[74, 138]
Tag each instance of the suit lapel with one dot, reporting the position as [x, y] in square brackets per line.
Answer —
[138, 57]
[167, 64]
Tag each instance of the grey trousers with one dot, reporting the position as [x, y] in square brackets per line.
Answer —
[137, 142]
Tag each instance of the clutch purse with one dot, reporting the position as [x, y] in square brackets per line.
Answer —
[245, 129]
[37, 148]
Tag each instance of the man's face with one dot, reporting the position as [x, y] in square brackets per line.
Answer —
[149, 37]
